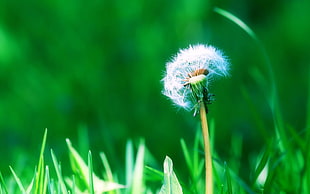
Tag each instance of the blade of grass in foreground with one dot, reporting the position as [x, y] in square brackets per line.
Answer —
[171, 183]
[129, 163]
[262, 163]
[57, 167]
[228, 179]
[90, 174]
[83, 171]
[3, 185]
[19, 183]
[108, 172]
[73, 185]
[137, 185]
[108, 175]
[46, 179]
[188, 159]
[78, 166]
[29, 188]
[233, 178]
[39, 184]
[194, 163]
[153, 174]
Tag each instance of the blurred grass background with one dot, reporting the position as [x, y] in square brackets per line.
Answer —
[97, 65]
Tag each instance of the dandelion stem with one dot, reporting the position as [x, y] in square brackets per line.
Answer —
[206, 140]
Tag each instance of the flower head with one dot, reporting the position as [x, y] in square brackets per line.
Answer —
[190, 72]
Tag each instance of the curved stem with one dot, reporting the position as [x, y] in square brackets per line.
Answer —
[206, 140]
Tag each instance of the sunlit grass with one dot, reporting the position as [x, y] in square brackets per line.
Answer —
[273, 171]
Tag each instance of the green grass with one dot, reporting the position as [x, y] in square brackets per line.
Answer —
[281, 166]
[273, 171]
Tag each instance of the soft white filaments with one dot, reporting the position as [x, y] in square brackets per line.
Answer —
[189, 73]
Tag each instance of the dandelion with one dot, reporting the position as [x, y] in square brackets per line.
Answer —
[189, 74]
[186, 83]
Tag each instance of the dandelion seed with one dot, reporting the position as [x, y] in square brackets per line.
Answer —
[190, 72]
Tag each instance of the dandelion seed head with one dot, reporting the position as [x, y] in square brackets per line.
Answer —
[189, 73]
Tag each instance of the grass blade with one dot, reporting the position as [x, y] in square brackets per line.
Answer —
[237, 21]
[186, 155]
[29, 188]
[3, 184]
[228, 179]
[194, 162]
[57, 166]
[171, 183]
[129, 163]
[73, 185]
[83, 171]
[153, 174]
[40, 174]
[234, 177]
[90, 174]
[46, 179]
[262, 163]
[79, 167]
[19, 183]
[108, 172]
[138, 182]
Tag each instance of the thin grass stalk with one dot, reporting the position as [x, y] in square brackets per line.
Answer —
[206, 140]
[90, 174]
[40, 173]
[3, 187]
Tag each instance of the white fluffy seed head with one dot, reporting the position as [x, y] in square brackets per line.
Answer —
[179, 73]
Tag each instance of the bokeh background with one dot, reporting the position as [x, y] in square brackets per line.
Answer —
[95, 66]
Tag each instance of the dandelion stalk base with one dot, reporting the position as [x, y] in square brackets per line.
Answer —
[206, 140]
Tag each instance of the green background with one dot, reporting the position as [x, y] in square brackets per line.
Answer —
[97, 65]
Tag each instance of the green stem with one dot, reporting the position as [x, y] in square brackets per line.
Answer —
[206, 140]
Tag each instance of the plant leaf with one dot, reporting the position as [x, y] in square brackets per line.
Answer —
[46, 179]
[58, 172]
[129, 163]
[228, 179]
[171, 184]
[3, 184]
[108, 172]
[40, 173]
[90, 174]
[81, 169]
[153, 174]
[262, 163]
[19, 183]
[237, 21]
[29, 188]
[137, 185]
[187, 155]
